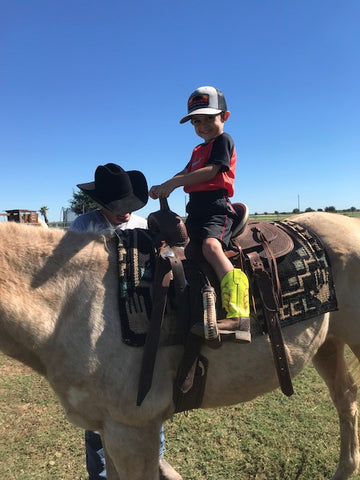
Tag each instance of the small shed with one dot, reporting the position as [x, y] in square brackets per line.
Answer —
[23, 216]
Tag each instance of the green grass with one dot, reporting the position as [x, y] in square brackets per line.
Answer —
[36, 440]
[271, 438]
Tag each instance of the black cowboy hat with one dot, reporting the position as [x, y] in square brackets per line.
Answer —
[116, 190]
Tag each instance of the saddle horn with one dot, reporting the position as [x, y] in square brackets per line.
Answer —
[168, 225]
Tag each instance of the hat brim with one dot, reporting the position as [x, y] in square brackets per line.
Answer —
[200, 111]
[127, 204]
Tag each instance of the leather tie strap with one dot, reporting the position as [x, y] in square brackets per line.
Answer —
[273, 268]
[270, 305]
[161, 284]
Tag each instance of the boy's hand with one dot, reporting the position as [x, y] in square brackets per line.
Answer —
[152, 192]
[163, 190]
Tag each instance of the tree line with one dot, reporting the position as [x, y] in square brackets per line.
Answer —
[81, 203]
[330, 209]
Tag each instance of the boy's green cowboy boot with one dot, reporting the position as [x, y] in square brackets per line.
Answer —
[235, 301]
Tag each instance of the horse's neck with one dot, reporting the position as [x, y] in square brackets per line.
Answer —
[22, 328]
[42, 284]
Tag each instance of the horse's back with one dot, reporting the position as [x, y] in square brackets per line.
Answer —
[337, 232]
[341, 238]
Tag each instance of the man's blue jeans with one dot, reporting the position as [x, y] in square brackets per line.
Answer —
[95, 458]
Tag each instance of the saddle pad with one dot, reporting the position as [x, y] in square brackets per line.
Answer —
[136, 259]
[304, 273]
[136, 256]
[305, 276]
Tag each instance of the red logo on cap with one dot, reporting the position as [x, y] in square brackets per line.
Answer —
[198, 101]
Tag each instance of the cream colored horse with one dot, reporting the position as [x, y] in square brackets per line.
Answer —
[58, 314]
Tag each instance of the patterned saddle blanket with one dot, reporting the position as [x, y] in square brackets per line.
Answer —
[304, 272]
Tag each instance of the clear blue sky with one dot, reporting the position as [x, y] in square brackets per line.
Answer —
[89, 82]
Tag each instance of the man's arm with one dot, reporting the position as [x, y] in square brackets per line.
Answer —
[79, 224]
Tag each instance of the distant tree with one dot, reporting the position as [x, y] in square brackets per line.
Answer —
[296, 210]
[309, 209]
[276, 212]
[320, 210]
[43, 211]
[82, 203]
[353, 209]
[330, 209]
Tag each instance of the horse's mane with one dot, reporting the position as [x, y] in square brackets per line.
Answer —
[50, 249]
[13, 228]
[15, 233]
[30, 231]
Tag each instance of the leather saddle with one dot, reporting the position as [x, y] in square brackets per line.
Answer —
[250, 236]
[253, 243]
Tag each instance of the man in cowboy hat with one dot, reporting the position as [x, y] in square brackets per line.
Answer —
[119, 193]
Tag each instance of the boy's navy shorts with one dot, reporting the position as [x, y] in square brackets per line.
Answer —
[210, 215]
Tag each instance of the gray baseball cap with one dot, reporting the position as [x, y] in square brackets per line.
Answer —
[205, 101]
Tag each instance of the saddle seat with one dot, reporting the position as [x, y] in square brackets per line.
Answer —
[250, 236]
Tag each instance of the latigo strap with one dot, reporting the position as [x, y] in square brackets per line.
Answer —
[160, 288]
[271, 309]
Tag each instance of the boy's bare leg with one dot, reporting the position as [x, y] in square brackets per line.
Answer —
[214, 254]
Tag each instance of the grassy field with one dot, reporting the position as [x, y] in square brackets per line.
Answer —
[271, 438]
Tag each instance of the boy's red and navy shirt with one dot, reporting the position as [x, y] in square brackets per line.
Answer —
[219, 151]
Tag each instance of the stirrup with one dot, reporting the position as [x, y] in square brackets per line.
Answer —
[199, 330]
[237, 327]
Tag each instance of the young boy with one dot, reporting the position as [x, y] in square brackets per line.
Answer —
[209, 180]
